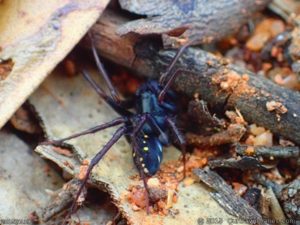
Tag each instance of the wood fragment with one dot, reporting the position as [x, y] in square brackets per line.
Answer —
[247, 92]
[64, 198]
[267, 152]
[233, 134]
[199, 114]
[226, 197]
[245, 163]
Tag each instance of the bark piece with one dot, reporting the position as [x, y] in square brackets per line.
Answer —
[201, 20]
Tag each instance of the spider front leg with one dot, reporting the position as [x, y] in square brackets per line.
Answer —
[180, 140]
[170, 82]
[175, 59]
[117, 106]
[95, 160]
[100, 66]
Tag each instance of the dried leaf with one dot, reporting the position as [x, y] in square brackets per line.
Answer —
[67, 105]
[35, 37]
[202, 20]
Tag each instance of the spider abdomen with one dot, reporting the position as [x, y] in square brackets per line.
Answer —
[150, 154]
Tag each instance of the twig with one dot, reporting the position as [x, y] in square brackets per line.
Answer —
[268, 152]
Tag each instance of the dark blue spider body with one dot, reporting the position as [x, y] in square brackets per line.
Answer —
[154, 133]
[148, 127]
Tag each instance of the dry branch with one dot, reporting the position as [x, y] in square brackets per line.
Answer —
[222, 85]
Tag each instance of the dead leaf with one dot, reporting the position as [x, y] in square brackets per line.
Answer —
[181, 21]
[35, 37]
[67, 105]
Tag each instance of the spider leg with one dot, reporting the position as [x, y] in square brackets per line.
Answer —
[116, 106]
[175, 59]
[148, 117]
[181, 141]
[101, 68]
[163, 137]
[116, 136]
[95, 86]
[170, 82]
[112, 123]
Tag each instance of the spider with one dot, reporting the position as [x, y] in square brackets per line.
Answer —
[147, 129]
